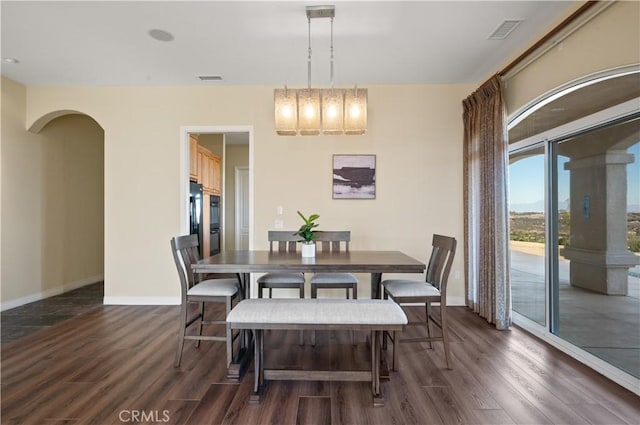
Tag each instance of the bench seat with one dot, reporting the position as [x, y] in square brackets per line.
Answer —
[263, 314]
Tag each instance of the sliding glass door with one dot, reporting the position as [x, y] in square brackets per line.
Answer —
[598, 223]
[575, 222]
[528, 232]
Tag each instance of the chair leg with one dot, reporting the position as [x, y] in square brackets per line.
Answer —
[314, 294]
[426, 308]
[229, 334]
[259, 290]
[181, 332]
[394, 364]
[445, 335]
[301, 342]
[201, 324]
[355, 297]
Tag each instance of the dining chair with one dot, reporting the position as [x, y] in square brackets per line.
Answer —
[432, 290]
[196, 290]
[333, 241]
[282, 241]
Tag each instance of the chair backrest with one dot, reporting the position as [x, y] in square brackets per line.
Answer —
[335, 241]
[444, 249]
[284, 240]
[185, 253]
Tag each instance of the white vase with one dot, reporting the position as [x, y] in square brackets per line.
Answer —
[308, 250]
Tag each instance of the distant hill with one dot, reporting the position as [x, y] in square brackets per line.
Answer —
[538, 206]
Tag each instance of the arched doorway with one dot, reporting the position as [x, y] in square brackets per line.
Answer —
[71, 197]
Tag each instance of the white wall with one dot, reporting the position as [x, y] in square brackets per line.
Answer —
[611, 39]
[415, 132]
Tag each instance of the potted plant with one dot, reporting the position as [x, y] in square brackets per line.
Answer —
[307, 233]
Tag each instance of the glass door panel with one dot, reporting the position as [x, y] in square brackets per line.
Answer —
[598, 229]
[527, 232]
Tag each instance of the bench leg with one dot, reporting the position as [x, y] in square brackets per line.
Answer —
[378, 400]
[258, 377]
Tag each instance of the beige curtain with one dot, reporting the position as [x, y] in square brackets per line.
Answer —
[487, 286]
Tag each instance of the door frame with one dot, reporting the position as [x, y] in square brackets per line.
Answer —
[183, 200]
[238, 201]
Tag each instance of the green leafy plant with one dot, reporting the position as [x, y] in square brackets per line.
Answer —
[306, 231]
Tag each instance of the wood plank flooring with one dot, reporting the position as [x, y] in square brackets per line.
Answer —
[114, 365]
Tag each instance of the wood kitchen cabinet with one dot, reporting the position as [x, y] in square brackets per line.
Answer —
[210, 171]
[193, 157]
[216, 175]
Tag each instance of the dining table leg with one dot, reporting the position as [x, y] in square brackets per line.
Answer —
[245, 339]
[376, 279]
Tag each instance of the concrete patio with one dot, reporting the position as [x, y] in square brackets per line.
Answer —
[606, 326]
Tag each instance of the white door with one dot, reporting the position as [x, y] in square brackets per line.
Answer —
[242, 208]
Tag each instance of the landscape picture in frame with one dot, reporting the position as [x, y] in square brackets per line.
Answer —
[354, 176]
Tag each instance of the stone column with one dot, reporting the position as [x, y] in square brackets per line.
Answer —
[597, 247]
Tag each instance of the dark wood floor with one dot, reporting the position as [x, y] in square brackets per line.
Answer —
[109, 364]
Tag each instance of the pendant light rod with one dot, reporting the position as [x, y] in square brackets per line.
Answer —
[309, 56]
[332, 54]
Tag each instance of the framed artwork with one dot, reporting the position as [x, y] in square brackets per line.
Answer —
[354, 176]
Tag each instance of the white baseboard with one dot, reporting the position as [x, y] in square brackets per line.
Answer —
[51, 292]
[142, 300]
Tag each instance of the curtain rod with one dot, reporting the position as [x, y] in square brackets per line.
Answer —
[548, 36]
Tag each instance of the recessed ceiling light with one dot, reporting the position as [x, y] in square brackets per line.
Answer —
[10, 60]
[160, 35]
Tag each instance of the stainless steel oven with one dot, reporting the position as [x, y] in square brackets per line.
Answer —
[214, 225]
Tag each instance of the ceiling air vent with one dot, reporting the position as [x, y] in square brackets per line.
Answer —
[504, 29]
[210, 77]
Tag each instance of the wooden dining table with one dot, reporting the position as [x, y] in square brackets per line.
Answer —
[243, 263]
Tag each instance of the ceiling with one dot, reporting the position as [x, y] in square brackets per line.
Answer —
[90, 43]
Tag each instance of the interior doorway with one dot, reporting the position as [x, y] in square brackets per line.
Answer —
[233, 145]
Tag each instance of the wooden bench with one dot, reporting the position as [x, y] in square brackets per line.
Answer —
[375, 316]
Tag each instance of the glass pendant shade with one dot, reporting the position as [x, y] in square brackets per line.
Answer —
[309, 112]
[332, 111]
[355, 111]
[286, 112]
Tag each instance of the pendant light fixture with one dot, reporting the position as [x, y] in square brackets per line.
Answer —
[310, 111]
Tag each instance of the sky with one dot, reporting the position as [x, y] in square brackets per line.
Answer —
[526, 183]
